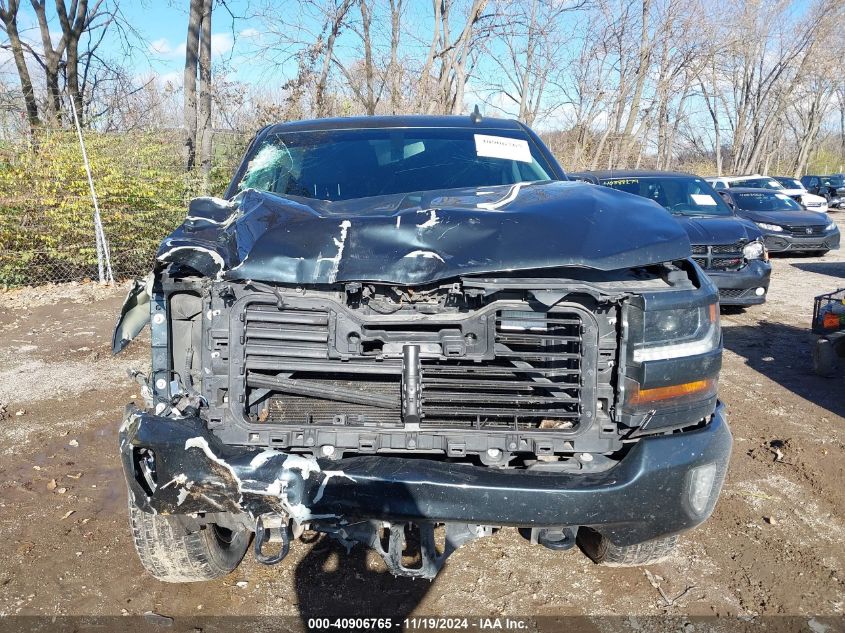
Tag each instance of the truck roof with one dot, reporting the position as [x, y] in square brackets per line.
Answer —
[406, 121]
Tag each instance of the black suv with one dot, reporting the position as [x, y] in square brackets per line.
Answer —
[396, 327]
[831, 187]
[728, 248]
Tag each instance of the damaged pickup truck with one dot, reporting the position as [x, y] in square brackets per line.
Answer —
[407, 333]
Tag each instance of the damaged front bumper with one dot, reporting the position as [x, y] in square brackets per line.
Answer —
[746, 286]
[176, 466]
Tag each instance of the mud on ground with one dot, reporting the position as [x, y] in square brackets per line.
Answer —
[773, 546]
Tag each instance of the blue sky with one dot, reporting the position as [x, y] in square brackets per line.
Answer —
[162, 26]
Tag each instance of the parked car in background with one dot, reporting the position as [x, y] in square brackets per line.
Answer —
[791, 187]
[721, 182]
[757, 181]
[728, 248]
[798, 192]
[785, 224]
[832, 188]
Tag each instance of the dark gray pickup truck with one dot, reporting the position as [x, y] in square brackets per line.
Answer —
[407, 333]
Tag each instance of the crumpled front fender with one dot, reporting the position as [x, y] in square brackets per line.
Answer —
[134, 314]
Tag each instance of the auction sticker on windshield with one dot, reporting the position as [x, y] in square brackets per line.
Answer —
[503, 147]
[703, 199]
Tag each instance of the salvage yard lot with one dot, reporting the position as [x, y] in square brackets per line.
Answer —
[773, 546]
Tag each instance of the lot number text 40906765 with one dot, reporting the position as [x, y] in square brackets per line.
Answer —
[421, 623]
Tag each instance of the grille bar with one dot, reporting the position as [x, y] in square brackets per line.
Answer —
[719, 257]
[804, 231]
[535, 377]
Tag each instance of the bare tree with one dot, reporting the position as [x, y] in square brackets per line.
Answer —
[811, 104]
[189, 82]
[205, 122]
[394, 71]
[50, 60]
[335, 22]
[74, 23]
[445, 93]
[530, 33]
[9, 17]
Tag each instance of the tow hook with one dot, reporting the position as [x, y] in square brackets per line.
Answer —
[557, 539]
[271, 528]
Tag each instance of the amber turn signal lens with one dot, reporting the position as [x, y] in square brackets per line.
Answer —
[658, 394]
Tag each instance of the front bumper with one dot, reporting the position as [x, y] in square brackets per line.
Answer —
[782, 242]
[645, 496]
[739, 287]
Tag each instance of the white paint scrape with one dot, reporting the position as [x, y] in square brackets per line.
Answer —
[328, 474]
[215, 256]
[340, 243]
[433, 220]
[202, 444]
[513, 192]
[263, 457]
[222, 204]
[305, 465]
[425, 254]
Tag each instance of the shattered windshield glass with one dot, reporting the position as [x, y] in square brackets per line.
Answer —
[349, 164]
[679, 196]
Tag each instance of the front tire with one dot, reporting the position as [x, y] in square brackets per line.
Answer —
[171, 554]
[603, 552]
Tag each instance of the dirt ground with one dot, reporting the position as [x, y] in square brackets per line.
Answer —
[773, 546]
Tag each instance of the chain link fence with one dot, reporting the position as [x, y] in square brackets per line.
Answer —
[33, 268]
[47, 232]
[57, 244]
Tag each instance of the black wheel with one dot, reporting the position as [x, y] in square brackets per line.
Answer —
[171, 554]
[603, 552]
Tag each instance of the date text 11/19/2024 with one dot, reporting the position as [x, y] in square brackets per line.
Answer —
[421, 623]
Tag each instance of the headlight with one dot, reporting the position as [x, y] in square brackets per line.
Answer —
[754, 250]
[769, 227]
[679, 332]
[830, 226]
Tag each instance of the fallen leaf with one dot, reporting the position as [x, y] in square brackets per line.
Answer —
[76, 476]
[51, 485]
[67, 514]
[20, 412]
[73, 443]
